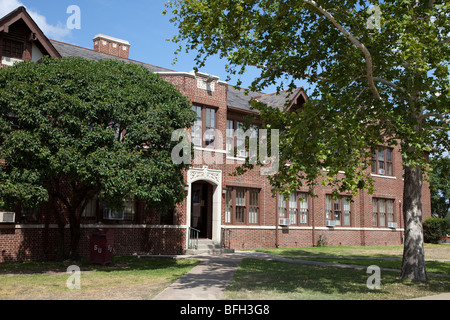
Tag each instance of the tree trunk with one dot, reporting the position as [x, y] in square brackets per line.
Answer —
[413, 265]
[75, 234]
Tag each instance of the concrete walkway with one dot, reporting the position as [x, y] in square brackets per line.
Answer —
[209, 279]
[206, 281]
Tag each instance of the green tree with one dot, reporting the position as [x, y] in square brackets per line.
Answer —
[71, 129]
[439, 186]
[378, 73]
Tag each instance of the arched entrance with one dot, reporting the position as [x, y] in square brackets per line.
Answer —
[201, 208]
[204, 202]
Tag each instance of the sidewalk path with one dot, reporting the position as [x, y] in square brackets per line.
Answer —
[209, 279]
[206, 281]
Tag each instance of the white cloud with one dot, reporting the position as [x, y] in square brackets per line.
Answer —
[57, 32]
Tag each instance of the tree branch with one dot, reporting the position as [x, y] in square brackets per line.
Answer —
[356, 42]
[310, 76]
[435, 115]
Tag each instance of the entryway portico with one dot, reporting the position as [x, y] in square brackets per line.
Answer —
[204, 193]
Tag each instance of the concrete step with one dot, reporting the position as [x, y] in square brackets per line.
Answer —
[207, 246]
[193, 252]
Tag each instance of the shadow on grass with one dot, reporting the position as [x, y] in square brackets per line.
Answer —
[284, 277]
[117, 264]
[330, 252]
[293, 281]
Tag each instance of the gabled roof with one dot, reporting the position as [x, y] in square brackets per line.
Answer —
[287, 100]
[21, 14]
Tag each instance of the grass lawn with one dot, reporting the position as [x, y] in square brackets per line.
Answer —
[273, 280]
[127, 278]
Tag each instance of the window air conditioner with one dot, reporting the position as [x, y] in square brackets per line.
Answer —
[382, 172]
[109, 214]
[284, 222]
[7, 217]
[330, 223]
[392, 225]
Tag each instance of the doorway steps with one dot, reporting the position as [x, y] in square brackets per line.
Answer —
[207, 246]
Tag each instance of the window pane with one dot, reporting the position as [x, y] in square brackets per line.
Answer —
[240, 205]
[254, 198]
[381, 164]
[347, 211]
[337, 212]
[240, 197]
[253, 215]
[230, 138]
[129, 211]
[374, 163]
[303, 198]
[281, 206]
[374, 212]
[388, 155]
[253, 210]
[293, 208]
[209, 137]
[380, 155]
[382, 212]
[197, 128]
[329, 209]
[240, 141]
[389, 168]
[210, 123]
[228, 205]
[390, 210]
[210, 118]
[240, 212]
[90, 210]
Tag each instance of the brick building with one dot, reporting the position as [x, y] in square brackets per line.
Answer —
[215, 200]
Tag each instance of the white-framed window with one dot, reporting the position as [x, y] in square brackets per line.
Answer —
[338, 210]
[203, 130]
[242, 206]
[382, 163]
[296, 206]
[382, 212]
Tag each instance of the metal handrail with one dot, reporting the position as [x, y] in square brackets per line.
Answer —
[193, 235]
[225, 237]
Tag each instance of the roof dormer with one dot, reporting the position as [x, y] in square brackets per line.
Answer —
[21, 39]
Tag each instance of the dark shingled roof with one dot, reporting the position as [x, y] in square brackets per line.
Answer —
[280, 100]
[236, 98]
[69, 50]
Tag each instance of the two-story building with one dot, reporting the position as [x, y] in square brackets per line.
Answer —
[217, 204]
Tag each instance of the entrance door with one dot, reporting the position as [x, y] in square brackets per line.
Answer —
[201, 212]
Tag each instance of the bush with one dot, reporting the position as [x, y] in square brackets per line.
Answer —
[434, 229]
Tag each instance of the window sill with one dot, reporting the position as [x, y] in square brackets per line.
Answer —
[382, 176]
[7, 61]
[210, 149]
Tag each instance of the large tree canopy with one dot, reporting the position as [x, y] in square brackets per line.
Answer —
[379, 73]
[71, 129]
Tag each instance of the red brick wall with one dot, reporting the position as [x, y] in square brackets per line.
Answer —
[37, 242]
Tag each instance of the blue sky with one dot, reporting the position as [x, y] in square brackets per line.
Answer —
[138, 21]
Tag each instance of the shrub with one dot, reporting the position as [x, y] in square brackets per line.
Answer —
[434, 229]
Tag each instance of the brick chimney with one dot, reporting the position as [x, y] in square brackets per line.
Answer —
[113, 46]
